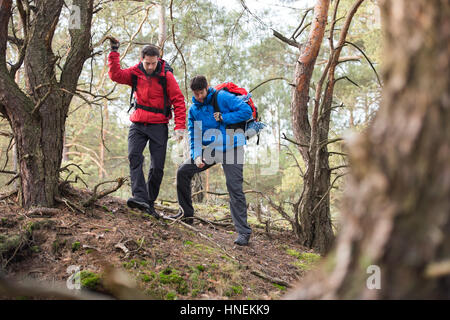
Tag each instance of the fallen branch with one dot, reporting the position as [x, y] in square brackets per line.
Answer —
[270, 279]
[69, 204]
[201, 235]
[122, 247]
[40, 211]
[220, 194]
[165, 208]
[219, 224]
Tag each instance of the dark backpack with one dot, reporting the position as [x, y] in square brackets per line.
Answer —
[250, 127]
[163, 82]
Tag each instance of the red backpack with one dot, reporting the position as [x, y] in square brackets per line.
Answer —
[252, 126]
[234, 89]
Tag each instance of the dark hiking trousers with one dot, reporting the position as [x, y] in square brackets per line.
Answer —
[156, 134]
[234, 176]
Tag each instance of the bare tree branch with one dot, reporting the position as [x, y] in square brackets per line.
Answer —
[301, 22]
[96, 196]
[368, 60]
[268, 80]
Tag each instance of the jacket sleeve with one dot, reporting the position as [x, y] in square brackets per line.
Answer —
[177, 100]
[238, 109]
[195, 136]
[116, 74]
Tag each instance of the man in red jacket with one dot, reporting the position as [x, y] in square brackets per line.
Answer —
[156, 91]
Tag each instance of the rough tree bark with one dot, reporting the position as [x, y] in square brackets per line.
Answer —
[396, 208]
[312, 226]
[37, 117]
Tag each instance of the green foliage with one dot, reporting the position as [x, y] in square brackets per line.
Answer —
[171, 296]
[76, 245]
[233, 291]
[171, 276]
[305, 261]
[282, 288]
[146, 278]
[90, 280]
[201, 268]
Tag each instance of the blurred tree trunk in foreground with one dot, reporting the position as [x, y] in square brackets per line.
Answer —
[396, 211]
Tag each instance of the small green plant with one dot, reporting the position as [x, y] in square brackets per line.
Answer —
[75, 246]
[188, 243]
[90, 280]
[169, 275]
[130, 264]
[146, 278]
[171, 296]
[282, 288]
[143, 263]
[306, 261]
[201, 268]
[293, 253]
[233, 290]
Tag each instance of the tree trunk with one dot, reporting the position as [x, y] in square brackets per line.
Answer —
[313, 225]
[37, 117]
[162, 34]
[394, 242]
[39, 150]
[303, 72]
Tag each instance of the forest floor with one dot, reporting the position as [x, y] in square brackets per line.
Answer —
[161, 259]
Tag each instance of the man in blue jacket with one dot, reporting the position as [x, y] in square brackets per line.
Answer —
[212, 142]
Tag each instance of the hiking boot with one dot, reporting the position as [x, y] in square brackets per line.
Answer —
[151, 211]
[179, 215]
[242, 239]
[137, 204]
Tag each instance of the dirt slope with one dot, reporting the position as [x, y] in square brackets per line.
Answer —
[164, 259]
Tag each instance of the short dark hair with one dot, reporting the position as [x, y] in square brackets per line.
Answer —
[150, 50]
[199, 83]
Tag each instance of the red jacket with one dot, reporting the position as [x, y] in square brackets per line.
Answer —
[150, 93]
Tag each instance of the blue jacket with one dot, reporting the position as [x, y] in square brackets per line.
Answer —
[205, 129]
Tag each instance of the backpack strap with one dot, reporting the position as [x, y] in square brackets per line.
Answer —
[163, 82]
[133, 90]
[214, 101]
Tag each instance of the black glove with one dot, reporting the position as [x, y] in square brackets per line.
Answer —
[114, 43]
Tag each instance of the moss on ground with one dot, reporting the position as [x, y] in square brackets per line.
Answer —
[305, 261]
[91, 280]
